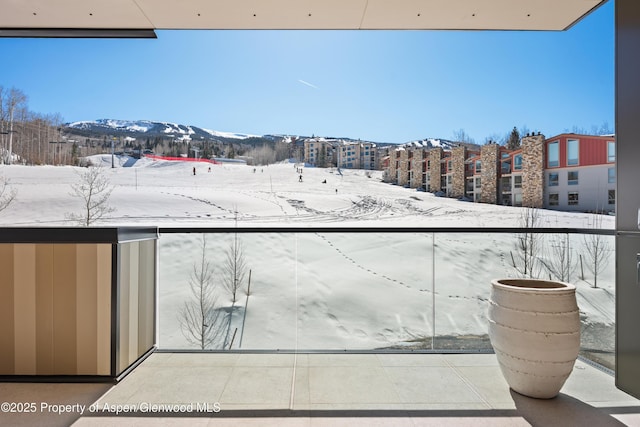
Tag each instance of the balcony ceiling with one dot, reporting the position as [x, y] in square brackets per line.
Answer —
[294, 14]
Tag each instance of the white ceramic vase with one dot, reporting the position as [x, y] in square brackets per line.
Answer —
[534, 328]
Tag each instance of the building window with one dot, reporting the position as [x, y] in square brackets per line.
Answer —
[448, 179]
[517, 181]
[478, 182]
[572, 177]
[553, 179]
[505, 184]
[612, 175]
[611, 151]
[506, 167]
[573, 148]
[478, 166]
[612, 197]
[517, 162]
[517, 199]
[573, 198]
[554, 199]
[449, 165]
[553, 154]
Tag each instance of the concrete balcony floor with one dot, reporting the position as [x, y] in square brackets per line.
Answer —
[326, 390]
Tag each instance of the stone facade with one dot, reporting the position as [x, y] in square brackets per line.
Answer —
[490, 160]
[392, 171]
[403, 178]
[417, 163]
[435, 173]
[533, 171]
[458, 180]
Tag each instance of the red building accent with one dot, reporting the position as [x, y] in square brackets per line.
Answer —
[592, 149]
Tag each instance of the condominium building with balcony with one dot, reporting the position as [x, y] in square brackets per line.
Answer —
[569, 172]
[319, 152]
[581, 173]
[347, 154]
[357, 155]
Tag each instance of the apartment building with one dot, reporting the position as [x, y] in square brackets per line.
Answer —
[580, 173]
[566, 172]
[357, 155]
[324, 152]
[318, 152]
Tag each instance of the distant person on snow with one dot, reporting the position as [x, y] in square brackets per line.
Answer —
[194, 170]
[300, 179]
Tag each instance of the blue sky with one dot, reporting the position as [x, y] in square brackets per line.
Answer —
[385, 86]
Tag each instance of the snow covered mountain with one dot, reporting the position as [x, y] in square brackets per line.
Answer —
[150, 129]
[433, 143]
[147, 128]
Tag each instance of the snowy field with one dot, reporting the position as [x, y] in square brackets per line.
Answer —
[337, 290]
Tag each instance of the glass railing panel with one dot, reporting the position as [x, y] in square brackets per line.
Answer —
[409, 291]
[364, 291]
[594, 277]
[465, 264]
[263, 315]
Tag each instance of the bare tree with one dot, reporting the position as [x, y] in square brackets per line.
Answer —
[528, 245]
[461, 136]
[14, 101]
[7, 194]
[598, 250]
[235, 267]
[561, 264]
[234, 272]
[200, 319]
[94, 190]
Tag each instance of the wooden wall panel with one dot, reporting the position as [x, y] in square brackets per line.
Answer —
[7, 358]
[56, 307]
[123, 301]
[44, 309]
[86, 309]
[134, 291]
[24, 268]
[103, 310]
[64, 309]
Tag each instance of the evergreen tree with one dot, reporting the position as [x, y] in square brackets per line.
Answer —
[206, 151]
[74, 154]
[513, 143]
